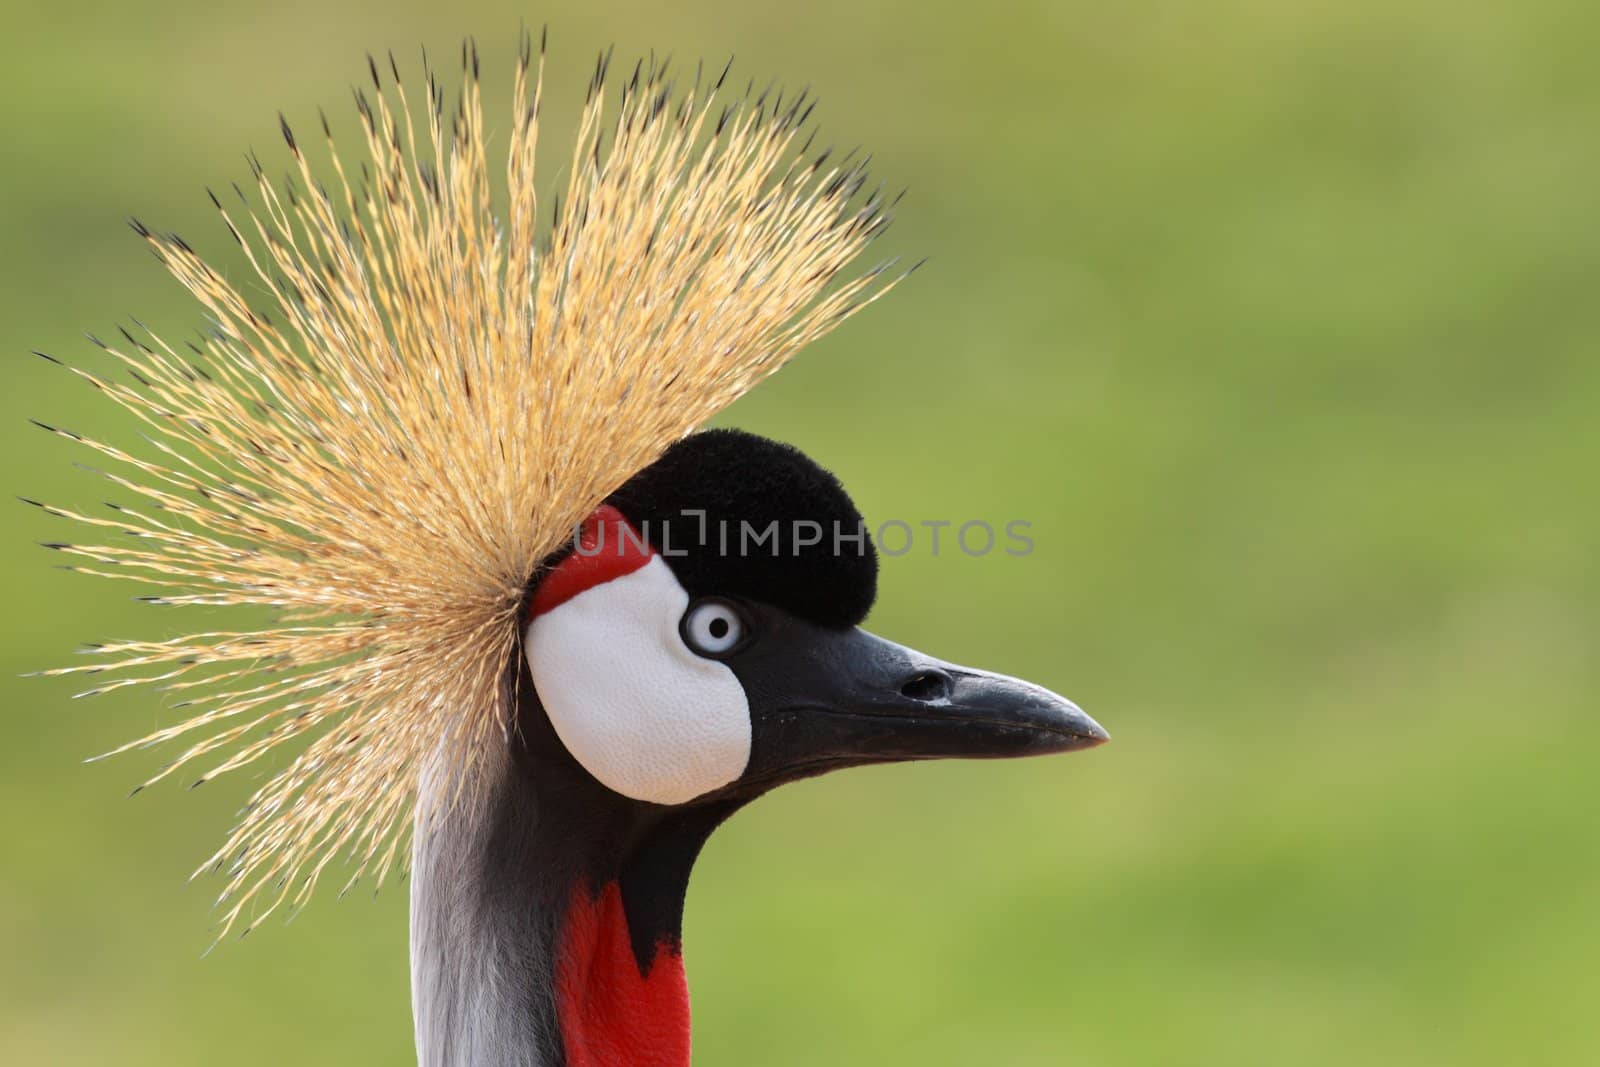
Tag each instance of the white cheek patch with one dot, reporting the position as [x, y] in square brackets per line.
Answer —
[643, 714]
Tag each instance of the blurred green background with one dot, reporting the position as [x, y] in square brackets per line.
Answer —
[1277, 320]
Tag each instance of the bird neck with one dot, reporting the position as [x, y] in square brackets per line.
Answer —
[621, 995]
[546, 919]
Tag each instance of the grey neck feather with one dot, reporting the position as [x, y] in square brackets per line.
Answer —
[484, 912]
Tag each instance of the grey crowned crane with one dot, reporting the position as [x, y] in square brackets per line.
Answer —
[522, 614]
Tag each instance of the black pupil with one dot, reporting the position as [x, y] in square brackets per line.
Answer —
[718, 627]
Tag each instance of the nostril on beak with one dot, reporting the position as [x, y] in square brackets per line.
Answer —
[929, 687]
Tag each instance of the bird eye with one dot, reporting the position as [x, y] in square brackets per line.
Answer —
[712, 627]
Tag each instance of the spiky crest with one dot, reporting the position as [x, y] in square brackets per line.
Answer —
[433, 404]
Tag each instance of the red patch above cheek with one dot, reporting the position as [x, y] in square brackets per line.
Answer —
[610, 1014]
[607, 547]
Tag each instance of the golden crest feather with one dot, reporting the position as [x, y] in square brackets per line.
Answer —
[435, 400]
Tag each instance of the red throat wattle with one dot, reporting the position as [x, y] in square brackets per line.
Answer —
[610, 1012]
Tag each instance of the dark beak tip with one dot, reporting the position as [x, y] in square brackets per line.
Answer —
[1082, 742]
[1085, 732]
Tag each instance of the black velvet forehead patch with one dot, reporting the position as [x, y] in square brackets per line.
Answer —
[739, 515]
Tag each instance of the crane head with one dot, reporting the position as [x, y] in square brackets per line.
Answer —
[699, 638]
